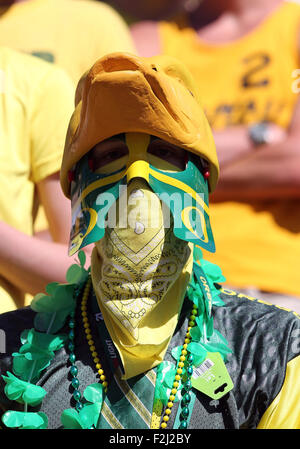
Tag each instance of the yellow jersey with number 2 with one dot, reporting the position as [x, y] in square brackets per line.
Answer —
[242, 82]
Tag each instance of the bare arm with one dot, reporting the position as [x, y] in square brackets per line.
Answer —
[146, 38]
[268, 172]
[247, 172]
[29, 262]
[234, 143]
[57, 208]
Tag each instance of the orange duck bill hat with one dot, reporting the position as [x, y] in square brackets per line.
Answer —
[124, 93]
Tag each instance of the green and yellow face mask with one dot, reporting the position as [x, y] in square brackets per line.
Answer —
[175, 176]
[138, 133]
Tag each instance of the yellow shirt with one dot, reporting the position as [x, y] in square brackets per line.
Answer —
[283, 413]
[35, 108]
[243, 82]
[71, 33]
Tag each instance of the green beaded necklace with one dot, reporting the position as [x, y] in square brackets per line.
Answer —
[184, 359]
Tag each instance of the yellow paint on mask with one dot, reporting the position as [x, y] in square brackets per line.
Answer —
[187, 223]
[137, 145]
[181, 186]
[139, 159]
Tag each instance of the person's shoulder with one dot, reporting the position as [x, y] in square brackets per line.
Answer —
[28, 68]
[244, 303]
[16, 59]
[18, 316]
[264, 339]
[12, 324]
[245, 315]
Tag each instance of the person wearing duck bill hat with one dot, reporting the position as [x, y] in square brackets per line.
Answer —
[145, 338]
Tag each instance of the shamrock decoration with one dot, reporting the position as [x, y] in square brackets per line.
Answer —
[54, 307]
[21, 391]
[164, 380]
[204, 337]
[25, 420]
[88, 416]
[36, 353]
[200, 346]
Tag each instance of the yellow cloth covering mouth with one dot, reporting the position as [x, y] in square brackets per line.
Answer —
[126, 93]
[140, 279]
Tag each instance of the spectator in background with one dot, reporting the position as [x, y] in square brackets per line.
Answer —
[244, 55]
[70, 33]
[35, 108]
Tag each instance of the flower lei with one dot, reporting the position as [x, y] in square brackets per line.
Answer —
[40, 344]
[204, 338]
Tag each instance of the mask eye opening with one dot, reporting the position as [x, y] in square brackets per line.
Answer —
[168, 152]
[107, 152]
[202, 165]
